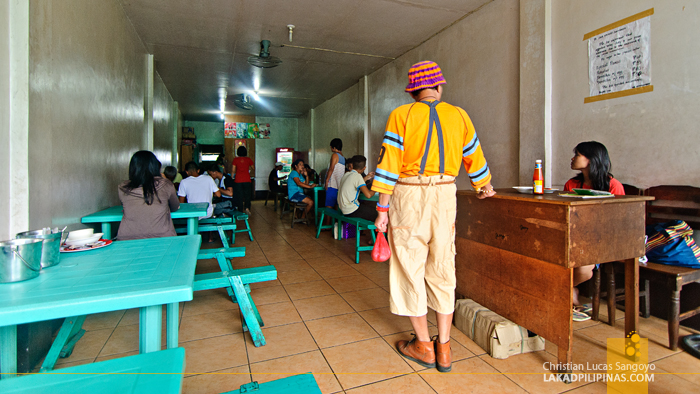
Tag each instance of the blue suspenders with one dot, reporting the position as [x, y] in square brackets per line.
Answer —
[434, 118]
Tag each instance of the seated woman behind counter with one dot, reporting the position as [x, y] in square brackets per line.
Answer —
[148, 199]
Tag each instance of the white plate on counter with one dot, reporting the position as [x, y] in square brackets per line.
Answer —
[528, 189]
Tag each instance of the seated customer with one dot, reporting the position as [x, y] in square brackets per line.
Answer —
[298, 181]
[225, 184]
[273, 180]
[198, 188]
[592, 159]
[172, 175]
[351, 185]
[147, 199]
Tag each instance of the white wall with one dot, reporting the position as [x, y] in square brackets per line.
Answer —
[164, 133]
[652, 137]
[87, 76]
[283, 133]
[479, 57]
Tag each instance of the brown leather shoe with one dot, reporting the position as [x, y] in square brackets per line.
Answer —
[443, 355]
[421, 352]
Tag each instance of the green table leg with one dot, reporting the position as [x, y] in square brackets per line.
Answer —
[8, 351]
[192, 226]
[173, 316]
[71, 331]
[150, 325]
[107, 230]
[316, 206]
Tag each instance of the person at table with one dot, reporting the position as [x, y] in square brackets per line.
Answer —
[198, 188]
[336, 170]
[424, 145]
[147, 199]
[351, 185]
[592, 160]
[225, 184]
[311, 173]
[273, 180]
[298, 181]
[243, 185]
[173, 176]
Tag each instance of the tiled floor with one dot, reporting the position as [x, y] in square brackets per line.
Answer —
[329, 316]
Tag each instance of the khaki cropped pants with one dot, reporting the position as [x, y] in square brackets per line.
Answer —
[421, 237]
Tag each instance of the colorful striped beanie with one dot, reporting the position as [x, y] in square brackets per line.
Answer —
[424, 75]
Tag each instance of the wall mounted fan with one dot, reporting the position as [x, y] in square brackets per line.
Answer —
[264, 60]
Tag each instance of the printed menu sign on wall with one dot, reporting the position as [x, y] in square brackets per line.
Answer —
[246, 130]
[619, 58]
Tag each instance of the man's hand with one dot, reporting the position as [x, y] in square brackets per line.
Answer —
[382, 221]
[369, 176]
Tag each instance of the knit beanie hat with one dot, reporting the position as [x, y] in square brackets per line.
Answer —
[424, 75]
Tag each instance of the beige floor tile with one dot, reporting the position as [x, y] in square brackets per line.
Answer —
[367, 299]
[381, 278]
[130, 317]
[339, 330]
[261, 285]
[282, 256]
[320, 307]
[407, 384]
[459, 352]
[658, 347]
[299, 291]
[298, 276]
[209, 301]
[365, 362]
[670, 383]
[217, 382]
[89, 346]
[528, 371]
[591, 388]
[464, 340]
[208, 325]
[123, 339]
[683, 363]
[281, 341]
[326, 262]
[472, 375]
[214, 354]
[269, 295]
[67, 364]
[291, 265]
[118, 355]
[99, 321]
[351, 283]
[249, 262]
[385, 322]
[279, 314]
[300, 363]
[336, 272]
[316, 252]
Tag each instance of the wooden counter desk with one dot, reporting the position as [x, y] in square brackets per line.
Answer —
[515, 254]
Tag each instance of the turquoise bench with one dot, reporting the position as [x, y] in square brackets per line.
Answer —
[220, 225]
[360, 224]
[297, 384]
[236, 283]
[244, 217]
[155, 372]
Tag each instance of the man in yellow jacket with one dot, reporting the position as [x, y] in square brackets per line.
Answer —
[424, 145]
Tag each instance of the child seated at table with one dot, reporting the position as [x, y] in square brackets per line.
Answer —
[351, 185]
[592, 159]
[147, 199]
[173, 176]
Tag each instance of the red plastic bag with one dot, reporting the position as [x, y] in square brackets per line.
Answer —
[381, 251]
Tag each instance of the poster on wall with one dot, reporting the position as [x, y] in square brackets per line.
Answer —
[229, 130]
[619, 58]
[246, 130]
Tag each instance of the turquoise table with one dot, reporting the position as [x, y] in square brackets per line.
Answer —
[374, 198]
[145, 274]
[191, 212]
[158, 372]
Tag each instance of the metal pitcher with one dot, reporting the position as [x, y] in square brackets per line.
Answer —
[20, 259]
[51, 250]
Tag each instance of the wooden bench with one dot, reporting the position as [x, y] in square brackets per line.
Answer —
[360, 224]
[673, 203]
[155, 372]
[294, 206]
[237, 282]
[297, 384]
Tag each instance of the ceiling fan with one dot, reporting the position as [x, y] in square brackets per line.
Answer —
[264, 60]
[243, 101]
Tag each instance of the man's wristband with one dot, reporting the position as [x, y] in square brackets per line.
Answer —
[382, 208]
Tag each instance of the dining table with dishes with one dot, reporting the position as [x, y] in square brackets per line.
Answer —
[94, 277]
